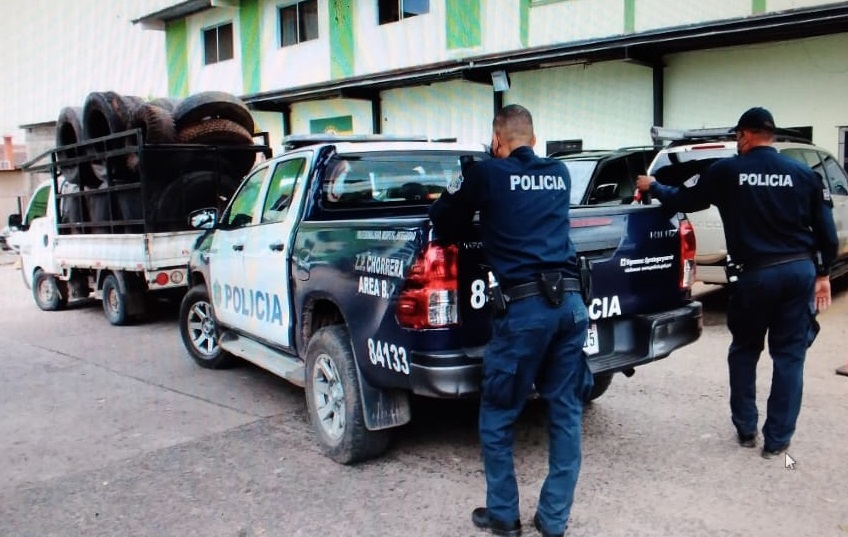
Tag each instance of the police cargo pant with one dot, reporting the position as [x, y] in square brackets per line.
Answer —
[776, 301]
[535, 343]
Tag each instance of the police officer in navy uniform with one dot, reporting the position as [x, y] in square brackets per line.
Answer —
[523, 201]
[778, 222]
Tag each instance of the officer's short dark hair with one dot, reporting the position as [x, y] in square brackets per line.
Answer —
[513, 120]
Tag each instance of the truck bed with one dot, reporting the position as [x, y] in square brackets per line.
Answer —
[128, 251]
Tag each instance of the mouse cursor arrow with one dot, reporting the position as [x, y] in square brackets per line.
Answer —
[789, 462]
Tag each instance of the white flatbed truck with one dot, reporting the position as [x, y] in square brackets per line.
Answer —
[128, 239]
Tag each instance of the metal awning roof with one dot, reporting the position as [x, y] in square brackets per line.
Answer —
[646, 47]
[180, 10]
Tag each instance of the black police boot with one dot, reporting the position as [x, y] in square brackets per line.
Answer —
[480, 517]
[538, 525]
[748, 440]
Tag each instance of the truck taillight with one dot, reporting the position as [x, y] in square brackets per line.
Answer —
[429, 298]
[687, 254]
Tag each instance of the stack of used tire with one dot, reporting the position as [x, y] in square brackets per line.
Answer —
[208, 118]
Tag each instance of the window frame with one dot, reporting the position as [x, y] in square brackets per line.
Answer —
[298, 179]
[226, 221]
[383, 5]
[219, 57]
[299, 23]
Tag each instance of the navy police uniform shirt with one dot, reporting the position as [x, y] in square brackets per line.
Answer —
[770, 205]
[524, 224]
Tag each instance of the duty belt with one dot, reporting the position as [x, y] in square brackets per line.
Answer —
[525, 290]
[771, 261]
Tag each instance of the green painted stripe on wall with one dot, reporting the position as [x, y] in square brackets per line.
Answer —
[463, 28]
[629, 16]
[341, 39]
[176, 57]
[251, 46]
[758, 6]
[524, 18]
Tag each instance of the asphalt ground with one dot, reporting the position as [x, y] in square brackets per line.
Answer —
[114, 431]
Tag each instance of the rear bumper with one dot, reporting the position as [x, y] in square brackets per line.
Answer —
[625, 343]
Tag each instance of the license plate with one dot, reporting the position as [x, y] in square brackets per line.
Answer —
[592, 345]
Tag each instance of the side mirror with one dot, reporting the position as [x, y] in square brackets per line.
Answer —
[203, 218]
[605, 192]
[15, 221]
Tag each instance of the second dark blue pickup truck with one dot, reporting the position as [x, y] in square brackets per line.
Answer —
[325, 270]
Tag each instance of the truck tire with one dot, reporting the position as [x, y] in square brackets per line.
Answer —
[105, 113]
[602, 382]
[215, 132]
[114, 302]
[212, 104]
[49, 293]
[333, 399]
[166, 103]
[157, 127]
[200, 332]
[69, 131]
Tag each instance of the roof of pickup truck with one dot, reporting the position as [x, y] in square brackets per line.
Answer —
[363, 143]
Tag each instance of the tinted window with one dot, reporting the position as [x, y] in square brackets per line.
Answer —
[674, 168]
[374, 179]
[240, 212]
[281, 189]
[38, 205]
[835, 176]
[581, 173]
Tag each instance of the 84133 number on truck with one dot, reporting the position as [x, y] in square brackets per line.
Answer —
[325, 270]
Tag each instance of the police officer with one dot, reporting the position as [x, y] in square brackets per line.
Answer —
[777, 220]
[523, 202]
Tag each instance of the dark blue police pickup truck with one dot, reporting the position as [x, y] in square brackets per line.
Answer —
[325, 270]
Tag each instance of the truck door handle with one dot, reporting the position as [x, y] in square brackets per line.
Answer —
[238, 247]
[277, 246]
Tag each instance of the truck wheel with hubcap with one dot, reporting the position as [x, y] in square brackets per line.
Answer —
[49, 293]
[114, 302]
[333, 400]
[602, 382]
[199, 331]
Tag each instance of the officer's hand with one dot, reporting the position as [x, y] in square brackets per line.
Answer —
[822, 293]
[643, 182]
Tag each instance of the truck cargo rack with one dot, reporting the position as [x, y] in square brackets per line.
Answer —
[118, 184]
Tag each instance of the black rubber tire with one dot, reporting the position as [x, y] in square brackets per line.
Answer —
[114, 302]
[49, 293]
[215, 132]
[157, 127]
[194, 190]
[69, 131]
[331, 345]
[105, 113]
[199, 330]
[602, 383]
[156, 124]
[212, 105]
[167, 104]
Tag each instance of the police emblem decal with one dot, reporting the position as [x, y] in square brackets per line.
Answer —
[455, 184]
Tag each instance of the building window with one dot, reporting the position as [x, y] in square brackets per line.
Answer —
[298, 22]
[395, 10]
[218, 43]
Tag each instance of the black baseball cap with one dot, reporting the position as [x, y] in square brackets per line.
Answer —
[756, 118]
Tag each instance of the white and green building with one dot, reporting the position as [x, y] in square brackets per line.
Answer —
[595, 73]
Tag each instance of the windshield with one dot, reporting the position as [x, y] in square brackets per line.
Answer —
[581, 173]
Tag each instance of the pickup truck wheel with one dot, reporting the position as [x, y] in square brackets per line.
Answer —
[49, 293]
[333, 400]
[114, 302]
[602, 382]
[199, 331]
